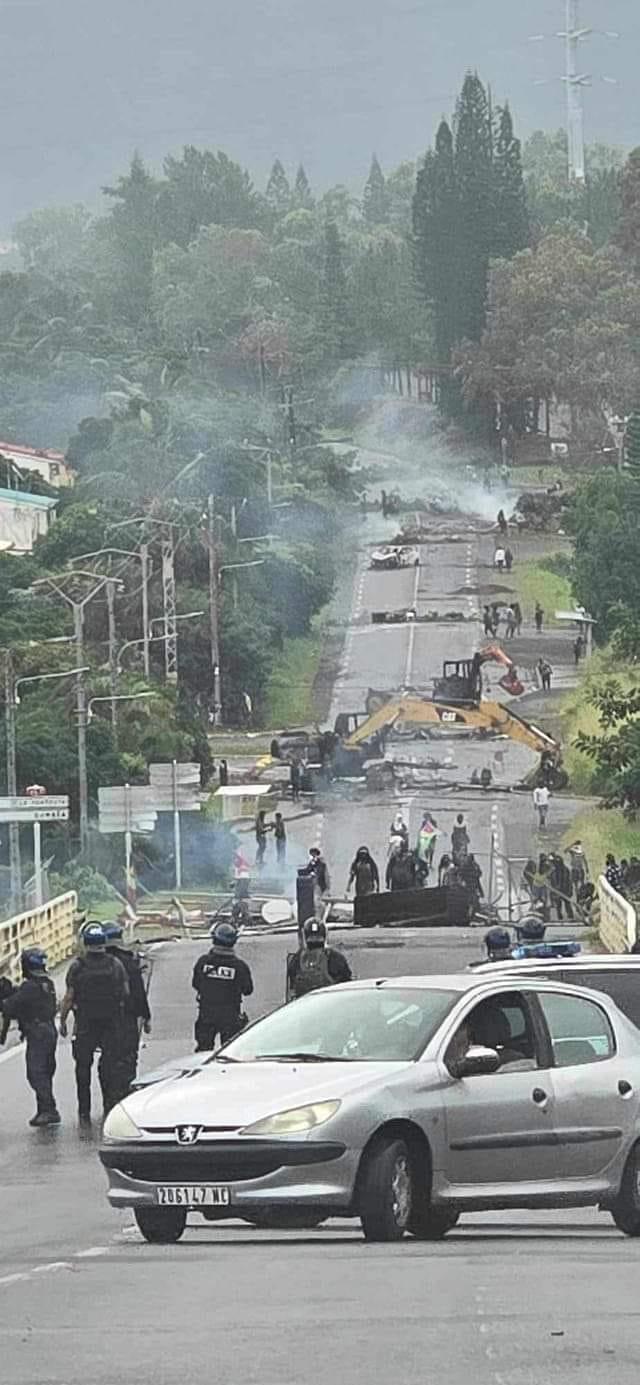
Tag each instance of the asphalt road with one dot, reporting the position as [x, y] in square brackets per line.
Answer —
[529, 1299]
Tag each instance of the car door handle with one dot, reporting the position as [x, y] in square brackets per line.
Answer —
[539, 1096]
[624, 1087]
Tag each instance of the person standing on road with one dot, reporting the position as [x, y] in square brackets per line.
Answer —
[499, 559]
[471, 876]
[280, 836]
[540, 885]
[460, 840]
[517, 616]
[545, 670]
[541, 797]
[508, 558]
[578, 649]
[487, 621]
[577, 864]
[294, 780]
[399, 828]
[223, 774]
[510, 617]
[33, 1004]
[261, 830]
[97, 992]
[364, 874]
[561, 887]
[401, 870]
[315, 965]
[502, 522]
[221, 981]
[136, 1013]
[318, 867]
[538, 616]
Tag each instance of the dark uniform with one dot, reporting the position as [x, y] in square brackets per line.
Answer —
[136, 1012]
[312, 968]
[220, 980]
[100, 991]
[34, 1005]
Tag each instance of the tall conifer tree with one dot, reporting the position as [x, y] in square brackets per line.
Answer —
[435, 236]
[278, 192]
[474, 178]
[375, 202]
[510, 218]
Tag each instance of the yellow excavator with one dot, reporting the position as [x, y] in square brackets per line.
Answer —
[462, 706]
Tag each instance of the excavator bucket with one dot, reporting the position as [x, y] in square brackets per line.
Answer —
[511, 683]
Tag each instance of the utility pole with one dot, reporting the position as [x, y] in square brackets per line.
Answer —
[575, 83]
[15, 864]
[213, 611]
[144, 560]
[169, 604]
[113, 654]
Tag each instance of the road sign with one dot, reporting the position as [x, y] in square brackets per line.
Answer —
[33, 814]
[176, 787]
[21, 801]
[126, 808]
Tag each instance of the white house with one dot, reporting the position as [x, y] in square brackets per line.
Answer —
[49, 464]
[23, 518]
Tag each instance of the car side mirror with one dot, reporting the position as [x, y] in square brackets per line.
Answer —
[478, 1061]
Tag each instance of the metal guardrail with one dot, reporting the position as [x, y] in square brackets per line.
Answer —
[50, 927]
[618, 920]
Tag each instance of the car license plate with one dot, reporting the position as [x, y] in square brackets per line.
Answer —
[192, 1195]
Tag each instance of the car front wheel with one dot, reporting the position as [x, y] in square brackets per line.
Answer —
[432, 1224]
[160, 1225]
[626, 1208]
[386, 1191]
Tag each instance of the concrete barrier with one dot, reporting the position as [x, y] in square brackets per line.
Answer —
[50, 927]
[618, 921]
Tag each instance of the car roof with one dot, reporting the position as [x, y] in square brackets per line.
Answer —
[592, 962]
[455, 981]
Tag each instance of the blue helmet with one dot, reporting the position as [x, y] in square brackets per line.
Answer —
[93, 935]
[224, 935]
[112, 930]
[33, 959]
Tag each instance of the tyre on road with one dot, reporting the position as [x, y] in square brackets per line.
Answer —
[386, 1190]
[432, 1223]
[626, 1208]
[161, 1225]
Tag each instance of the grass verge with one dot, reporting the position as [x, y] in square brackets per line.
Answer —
[601, 830]
[535, 582]
[290, 697]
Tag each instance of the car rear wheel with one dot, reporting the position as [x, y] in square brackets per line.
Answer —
[432, 1224]
[160, 1225]
[386, 1191]
[626, 1208]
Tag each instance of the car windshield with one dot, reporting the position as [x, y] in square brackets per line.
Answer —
[379, 1024]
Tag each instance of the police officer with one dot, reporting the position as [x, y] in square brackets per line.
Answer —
[220, 980]
[97, 991]
[33, 1004]
[315, 965]
[136, 1010]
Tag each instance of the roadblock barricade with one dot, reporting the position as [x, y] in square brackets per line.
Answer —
[50, 927]
[618, 920]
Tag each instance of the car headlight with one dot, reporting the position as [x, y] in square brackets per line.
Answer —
[296, 1121]
[119, 1125]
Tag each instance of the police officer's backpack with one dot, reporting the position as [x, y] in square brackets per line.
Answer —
[97, 989]
[313, 971]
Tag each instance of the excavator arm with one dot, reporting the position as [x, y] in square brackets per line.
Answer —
[487, 716]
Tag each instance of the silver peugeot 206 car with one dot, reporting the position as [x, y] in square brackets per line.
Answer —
[403, 1102]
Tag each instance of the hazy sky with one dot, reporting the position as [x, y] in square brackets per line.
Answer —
[325, 81]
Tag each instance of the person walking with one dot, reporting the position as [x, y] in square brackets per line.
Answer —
[502, 522]
[528, 876]
[261, 829]
[577, 864]
[221, 981]
[223, 774]
[499, 559]
[517, 616]
[578, 649]
[280, 836]
[540, 885]
[460, 840]
[510, 616]
[496, 616]
[318, 867]
[33, 1004]
[97, 991]
[538, 616]
[136, 1014]
[508, 558]
[401, 870]
[488, 622]
[364, 874]
[471, 876]
[541, 797]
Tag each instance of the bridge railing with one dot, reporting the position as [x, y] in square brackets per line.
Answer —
[50, 927]
[618, 920]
